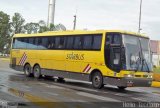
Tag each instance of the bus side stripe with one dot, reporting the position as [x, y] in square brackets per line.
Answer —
[24, 60]
[88, 69]
[21, 59]
[85, 68]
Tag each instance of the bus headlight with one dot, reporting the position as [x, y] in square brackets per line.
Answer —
[150, 76]
[129, 76]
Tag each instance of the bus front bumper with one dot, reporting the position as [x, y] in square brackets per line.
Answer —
[128, 82]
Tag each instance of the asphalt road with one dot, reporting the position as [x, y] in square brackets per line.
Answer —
[18, 90]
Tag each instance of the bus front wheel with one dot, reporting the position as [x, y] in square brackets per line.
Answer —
[122, 87]
[27, 70]
[97, 80]
[60, 79]
[37, 72]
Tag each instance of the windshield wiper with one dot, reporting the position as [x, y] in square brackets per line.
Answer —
[143, 59]
[138, 60]
[144, 62]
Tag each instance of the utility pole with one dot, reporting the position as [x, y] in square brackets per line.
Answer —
[51, 12]
[75, 22]
[140, 17]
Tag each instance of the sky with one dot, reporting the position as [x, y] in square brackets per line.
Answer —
[92, 14]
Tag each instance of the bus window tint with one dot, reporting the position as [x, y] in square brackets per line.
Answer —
[57, 41]
[45, 42]
[51, 43]
[70, 41]
[20, 43]
[62, 43]
[78, 42]
[31, 43]
[113, 39]
[97, 41]
[40, 46]
[87, 42]
[16, 43]
[116, 39]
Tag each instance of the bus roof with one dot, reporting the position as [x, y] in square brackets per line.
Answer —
[76, 32]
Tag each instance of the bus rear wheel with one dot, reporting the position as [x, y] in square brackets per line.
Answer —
[97, 80]
[27, 70]
[37, 71]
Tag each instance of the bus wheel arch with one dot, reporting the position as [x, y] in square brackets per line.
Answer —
[37, 71]
[96, 78]
[91, 74]
[27, 70]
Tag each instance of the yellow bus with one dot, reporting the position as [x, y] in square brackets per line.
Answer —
[113, 57]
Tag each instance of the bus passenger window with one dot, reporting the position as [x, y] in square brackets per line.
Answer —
[57, 41]
[87, 42]
[31, 44]
[51, 43]
[97, 41]
[60, 42]
[78, 42]
[40, 45]
[44, 42]
[70, 42]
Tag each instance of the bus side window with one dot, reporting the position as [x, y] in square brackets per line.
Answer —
[78, 42]
[57, 41]
[97, 42]
[40, 43]
[87, 44]
[62, 43]
[31, 44]
[36, 42]
[116, 39]
[51, 42]
[45, 42]
[70, 41]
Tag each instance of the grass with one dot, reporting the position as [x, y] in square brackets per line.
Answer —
[157, 70]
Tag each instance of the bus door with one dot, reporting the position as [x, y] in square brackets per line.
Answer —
[113, 51]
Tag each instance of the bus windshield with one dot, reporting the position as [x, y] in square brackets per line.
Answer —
[137, 51]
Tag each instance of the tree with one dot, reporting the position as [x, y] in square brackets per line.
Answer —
[42, 26]
[4, 31]
[31, 28]
[17, 23]
[52, 27]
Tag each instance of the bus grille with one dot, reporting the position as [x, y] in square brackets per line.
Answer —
[138, 76]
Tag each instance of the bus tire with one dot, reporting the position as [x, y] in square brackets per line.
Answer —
[97, 80]
[60, 79]
[37, 71]
[27, 70]
[48, 77]
[121, 87]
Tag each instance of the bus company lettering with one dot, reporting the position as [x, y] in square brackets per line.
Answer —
[75, 56]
